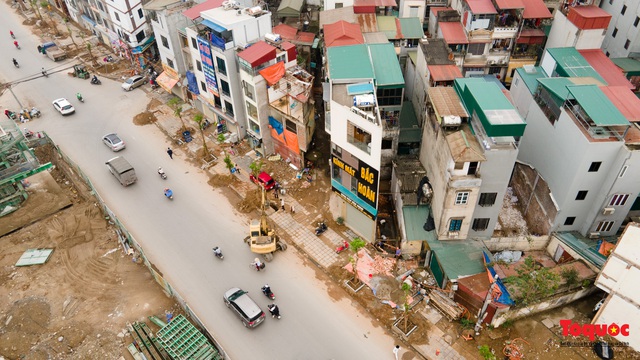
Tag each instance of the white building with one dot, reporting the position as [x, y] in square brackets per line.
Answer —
[619, 278]
[623, 36]
[581, 27]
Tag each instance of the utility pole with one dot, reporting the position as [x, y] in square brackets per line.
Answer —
[487, 300]
[14, 96]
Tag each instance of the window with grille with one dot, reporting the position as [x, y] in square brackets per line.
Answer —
[480, 224]
[619, 200]
[487, 199]
[455, 224]
[604, 226]
[462, 197]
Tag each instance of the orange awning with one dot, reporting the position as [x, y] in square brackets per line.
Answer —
[166, 82]
[273, 73]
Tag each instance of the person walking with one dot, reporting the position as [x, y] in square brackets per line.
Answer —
[282, 204]
[396, 350]
[293, 211]
[170, 152]
[237, 169]
[275, 193]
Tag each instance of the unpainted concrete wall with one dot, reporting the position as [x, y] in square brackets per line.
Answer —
[521, 243]
[534, 199]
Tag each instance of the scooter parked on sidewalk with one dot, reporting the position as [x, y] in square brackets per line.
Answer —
[218, 253]
[322, 227]
[343, 247]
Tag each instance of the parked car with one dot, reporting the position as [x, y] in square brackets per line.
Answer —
[265, 180]
[113, 141]
[63, 106]
[133, 82]
[249, 312]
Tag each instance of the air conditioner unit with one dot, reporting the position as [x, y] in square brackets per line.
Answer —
[608, 211]
[492, 62]
[454, 234]
[503, 62]
[594, 235]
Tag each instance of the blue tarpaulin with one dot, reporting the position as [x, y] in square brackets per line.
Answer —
[193, 83]
[276, 125]
[504, 297]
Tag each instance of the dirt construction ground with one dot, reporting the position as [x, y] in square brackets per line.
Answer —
[77, 305]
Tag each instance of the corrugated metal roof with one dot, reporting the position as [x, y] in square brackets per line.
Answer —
[375, 38]
[446, 101]
[444, 72]
[436, 9]
[409, 126]
[481, 7]
[531, 80]
[342, 33]
[349, 62]
[536, 9]
[411, 28]
[586, 248]
[625, 100]
[488, 95]
[290, 8]
[333, 15]
[287, 32]
[510, 4]
[597, 105]
[628, 65]
[572, 64]
[606, 68]
[387, 25]
[453, 33]
[413, 55]
[385, 65]
[195, 11]
[368, 22]
[464, 147]
[258, 53]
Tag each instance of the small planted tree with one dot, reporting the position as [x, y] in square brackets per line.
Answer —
[175, 104]
[47, 6]
[355, 245]
[255, 167]
[198, 119]
[36, 7]
[228, 163]
[406, 288]
[66, 23]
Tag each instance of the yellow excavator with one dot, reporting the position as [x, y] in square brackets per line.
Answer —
[262, 239]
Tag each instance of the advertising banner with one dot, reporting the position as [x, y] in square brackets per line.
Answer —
[207, 66]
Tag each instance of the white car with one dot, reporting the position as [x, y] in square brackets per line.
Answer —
[113, 141]
[63, 106]
[133, 82]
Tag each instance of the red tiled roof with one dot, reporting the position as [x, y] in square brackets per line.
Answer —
[287, 32]
[287, 45]
[436, 9]
[194, 12]
[625, 100]
[342, 33]
[536, 9]
[444, 72]
[609, 71]
[481, 7]
[453, 33]
[510, 4]
[305, 38]
[258, 53]
[374, 3]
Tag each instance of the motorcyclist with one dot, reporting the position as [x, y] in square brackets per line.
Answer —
[79, 96]
[12, 34]
[15, 62]
[266, 289]
[44, 72]
[16, 44]
[273, 309]
[160, 171]
[217, 251]
[257, 263]
[168, 192]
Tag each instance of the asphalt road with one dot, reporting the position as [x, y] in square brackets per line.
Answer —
[178, 235]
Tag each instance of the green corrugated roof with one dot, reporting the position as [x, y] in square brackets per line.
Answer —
[387, 25]
[489, 96]
[557, 86]
[597, 105]
[349, 62]
[586, 248]
[413, 55]
[628, 65]
[385, 65]
[411, 28]
[409, 127]
[458, 258]
[531, 80]
[572, 64]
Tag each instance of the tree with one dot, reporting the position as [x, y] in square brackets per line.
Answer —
[255, 167]
[406, 288]
[198, 119]
[46, 5]
[174, 103]
[66, 23]
[355, 245]
[228, 163]
[533, 282]
[36, 7]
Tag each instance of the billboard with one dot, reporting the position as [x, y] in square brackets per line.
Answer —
[366, 185]
[207, 66]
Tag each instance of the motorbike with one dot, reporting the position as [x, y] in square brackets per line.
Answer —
[16, 44]
[218, 253]
[343, 247]
[257, 265]
[274, 310]
[15, 63]
[163, 175]
[80, 98]
[13, 36]
[168, 193]
[266, 290]
[10, 114]
[28, 133]
[34, 112]
[95, 81]
[322, 227]
[44, 73]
